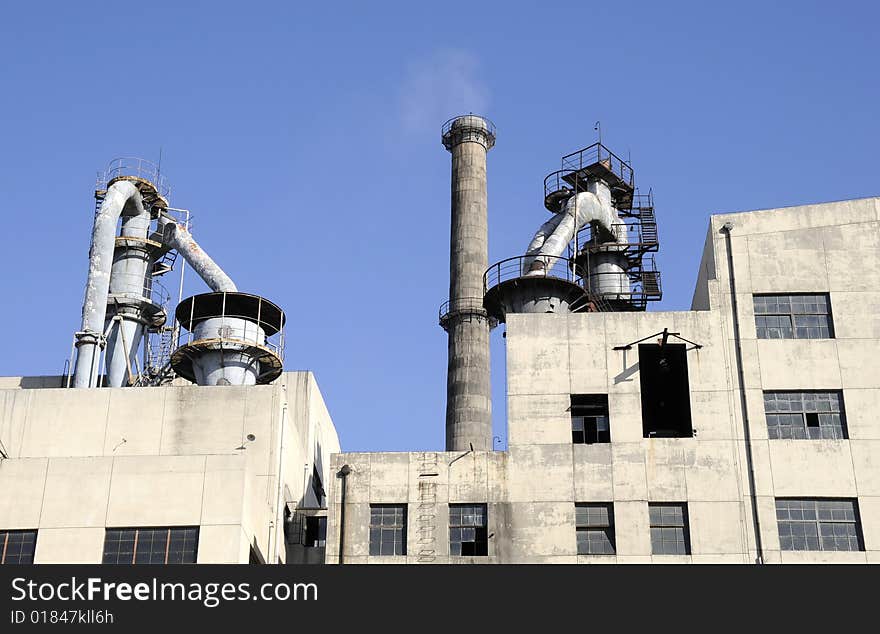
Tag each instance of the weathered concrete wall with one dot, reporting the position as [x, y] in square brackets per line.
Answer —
[531, 489]
[83, 460]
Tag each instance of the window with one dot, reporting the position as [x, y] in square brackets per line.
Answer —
[315, 532]
[814, 524]
[595, 529]
[669, 529]
[666, 396]
[467, 530]
[151, 545]
[387, 529]
[793, 316]
[805, 415]
[17, 547]
[589, 418]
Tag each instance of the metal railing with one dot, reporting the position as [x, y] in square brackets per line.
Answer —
[268, 321]
[148, 287]
[134, 166]
[463, 305]
[598, 153]
[562, 268]
[473, 130]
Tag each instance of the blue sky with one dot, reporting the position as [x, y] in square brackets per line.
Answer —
[306, 141]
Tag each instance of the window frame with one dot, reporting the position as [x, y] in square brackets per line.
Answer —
[818, 522]
[184, 535]
[4, 545]
[481, 530]
[397, 527]
[663, 525]
[775, 431]
[592, 408]
[764, 331]
[607, 529]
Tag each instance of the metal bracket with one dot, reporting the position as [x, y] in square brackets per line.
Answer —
[665, 334]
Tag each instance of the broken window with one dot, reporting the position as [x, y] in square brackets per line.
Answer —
[17, 547]
[669, 528]
[589, 418]
[803, 415]
[595, 528]
[387, 529]
[666, 397]
[467, 530]
[793, 316]
[315, 531]
[816, 524]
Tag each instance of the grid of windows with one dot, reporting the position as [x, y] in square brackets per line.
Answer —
[17, 547]
[813, 524]
[669, 529]
[805, 415]
[387, 529]
[151, 545]
[595, 529]
[467, 530]
[793, 316]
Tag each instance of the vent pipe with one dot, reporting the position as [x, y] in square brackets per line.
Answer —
[121, 199]
[468, 388]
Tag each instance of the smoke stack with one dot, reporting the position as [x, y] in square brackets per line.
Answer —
[468, 388]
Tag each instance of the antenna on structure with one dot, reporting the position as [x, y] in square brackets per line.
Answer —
[598, 127]
[159, 164]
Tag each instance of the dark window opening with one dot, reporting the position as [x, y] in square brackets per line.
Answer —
[17, 547]
[812, 419]
[666, 397]
[178, 545]
[315, 532]
[468, 536]
[589, 419]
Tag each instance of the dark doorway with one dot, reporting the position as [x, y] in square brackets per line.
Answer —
[666, 397]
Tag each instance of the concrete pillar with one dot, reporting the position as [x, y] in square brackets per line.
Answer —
[468, 389]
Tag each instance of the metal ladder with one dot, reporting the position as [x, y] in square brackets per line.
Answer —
[427, 509]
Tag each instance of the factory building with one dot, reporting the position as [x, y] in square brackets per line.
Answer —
[743, 430]
[163, 442]
[740, 431]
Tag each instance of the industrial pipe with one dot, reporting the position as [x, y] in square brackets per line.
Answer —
[178, 238]
[553, 236]
[122, 199]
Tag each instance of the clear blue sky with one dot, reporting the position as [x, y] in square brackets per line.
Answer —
[306, 139]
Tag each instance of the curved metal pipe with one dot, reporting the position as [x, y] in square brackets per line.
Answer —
[178, 238]
[583, 208]
[122, 198]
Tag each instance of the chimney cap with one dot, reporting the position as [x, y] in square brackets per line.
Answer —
[468, 127]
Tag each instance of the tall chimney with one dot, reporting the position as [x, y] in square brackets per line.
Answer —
[468, 388]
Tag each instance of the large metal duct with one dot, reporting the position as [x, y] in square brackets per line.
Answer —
[177, 237]
[468, 388]
[121, 199]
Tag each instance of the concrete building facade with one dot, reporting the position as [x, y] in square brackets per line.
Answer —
[773, 453]
[232, 462]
